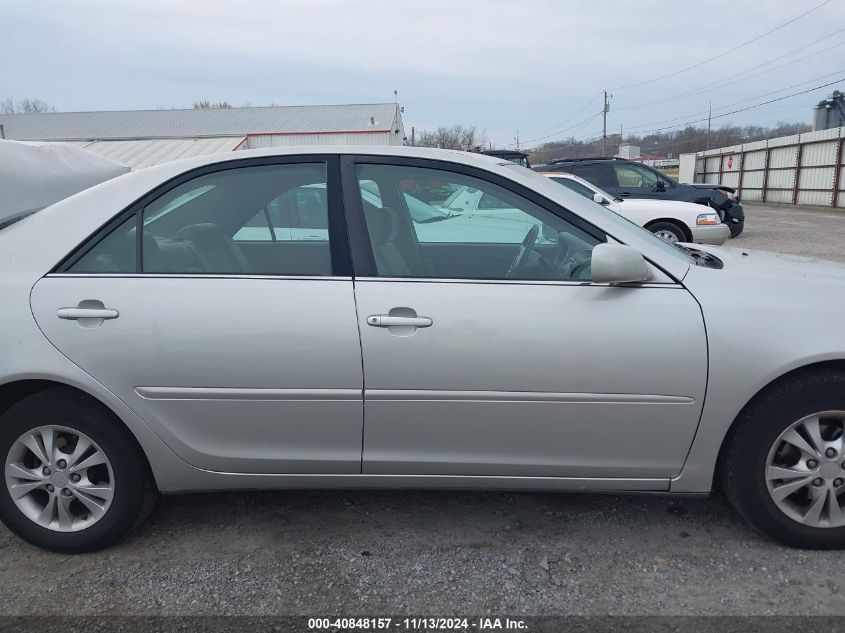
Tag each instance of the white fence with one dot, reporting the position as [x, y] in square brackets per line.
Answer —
[804, 168]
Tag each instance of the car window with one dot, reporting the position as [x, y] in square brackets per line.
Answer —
[421, 212]
[249, 220]
[630, 175]
[115, 253]
[296, 215]
[513, 238]
[488, 201]
[599, 175]
[575, 186]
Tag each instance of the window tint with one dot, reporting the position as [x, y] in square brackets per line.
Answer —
[576, 186]
[250, 220]
[113, 254]
[486, 232]
[599, 175]
[635, 176]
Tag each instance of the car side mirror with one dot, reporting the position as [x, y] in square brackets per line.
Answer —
[661, 186]
[600, 199]
[618, 264]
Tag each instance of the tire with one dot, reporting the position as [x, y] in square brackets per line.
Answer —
[753, 443]
[61, 413]
[736, 227]
[667, 229]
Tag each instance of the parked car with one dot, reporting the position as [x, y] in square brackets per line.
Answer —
[630, 179]
[668, 219]
[147, 348]
[514, 156]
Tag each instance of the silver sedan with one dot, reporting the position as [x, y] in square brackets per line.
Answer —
[313, 317]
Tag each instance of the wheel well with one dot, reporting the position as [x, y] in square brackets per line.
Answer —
[13, 392]
[685, 229]
[831, 365]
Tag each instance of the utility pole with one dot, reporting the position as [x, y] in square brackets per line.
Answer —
[413, 134]
[709, 115]
[604, 126]
[517, 140]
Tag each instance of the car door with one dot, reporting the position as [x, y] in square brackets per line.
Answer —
[474, 365]
[237, 344]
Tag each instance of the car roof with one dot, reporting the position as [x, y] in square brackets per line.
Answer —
[594, 159]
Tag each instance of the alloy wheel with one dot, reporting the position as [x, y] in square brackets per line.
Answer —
[805, 470]
[59, 478]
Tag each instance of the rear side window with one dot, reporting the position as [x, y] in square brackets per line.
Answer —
[264, 220]
[115, 253]
[599, 175]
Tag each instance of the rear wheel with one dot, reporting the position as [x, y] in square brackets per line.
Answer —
[75, 480]
[668, 231]
[783, 467]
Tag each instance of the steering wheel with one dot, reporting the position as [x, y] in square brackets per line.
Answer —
[527, 244]
[577, 264]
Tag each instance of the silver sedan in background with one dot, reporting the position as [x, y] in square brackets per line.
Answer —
[221, 323]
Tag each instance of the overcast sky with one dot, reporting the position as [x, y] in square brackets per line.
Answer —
[501, 65]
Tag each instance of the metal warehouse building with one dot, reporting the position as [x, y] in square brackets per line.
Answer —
[141, 138]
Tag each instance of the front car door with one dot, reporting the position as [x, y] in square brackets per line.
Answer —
[638, 181]
[494, 354]
[232, 331]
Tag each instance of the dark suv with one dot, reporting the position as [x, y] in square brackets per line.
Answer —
[629, 179]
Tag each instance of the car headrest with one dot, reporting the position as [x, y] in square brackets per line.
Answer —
[206, 236]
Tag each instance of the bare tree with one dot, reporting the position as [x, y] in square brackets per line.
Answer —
[205, 104]
[25, 106]
[455, 137]
[673, 142]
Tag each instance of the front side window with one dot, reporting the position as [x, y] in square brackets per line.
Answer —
[635, 176]
[264, 220]
[484, 231]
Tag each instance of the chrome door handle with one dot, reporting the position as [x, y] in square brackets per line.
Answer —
[72, 314]
[386, 320]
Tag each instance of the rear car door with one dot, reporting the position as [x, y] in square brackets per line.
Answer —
[231, 331]
[477, 362]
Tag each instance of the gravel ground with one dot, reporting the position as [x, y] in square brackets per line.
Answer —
[440, 553]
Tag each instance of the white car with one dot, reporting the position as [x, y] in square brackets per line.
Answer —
[671, 220]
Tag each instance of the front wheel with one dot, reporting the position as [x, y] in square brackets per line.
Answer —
[783, 466]
[75, 480]
[668, 231]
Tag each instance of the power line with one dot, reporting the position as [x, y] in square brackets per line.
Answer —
[766, 94]
[719, 116]
[730, 50]
[587, 105]
[584, 122]
[724, 81]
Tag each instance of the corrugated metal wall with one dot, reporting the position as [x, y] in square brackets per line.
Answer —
[804, 168]
[255, 141]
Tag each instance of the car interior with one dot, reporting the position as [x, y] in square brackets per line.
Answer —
[273, 220]
[197, 227]
[558, 250]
